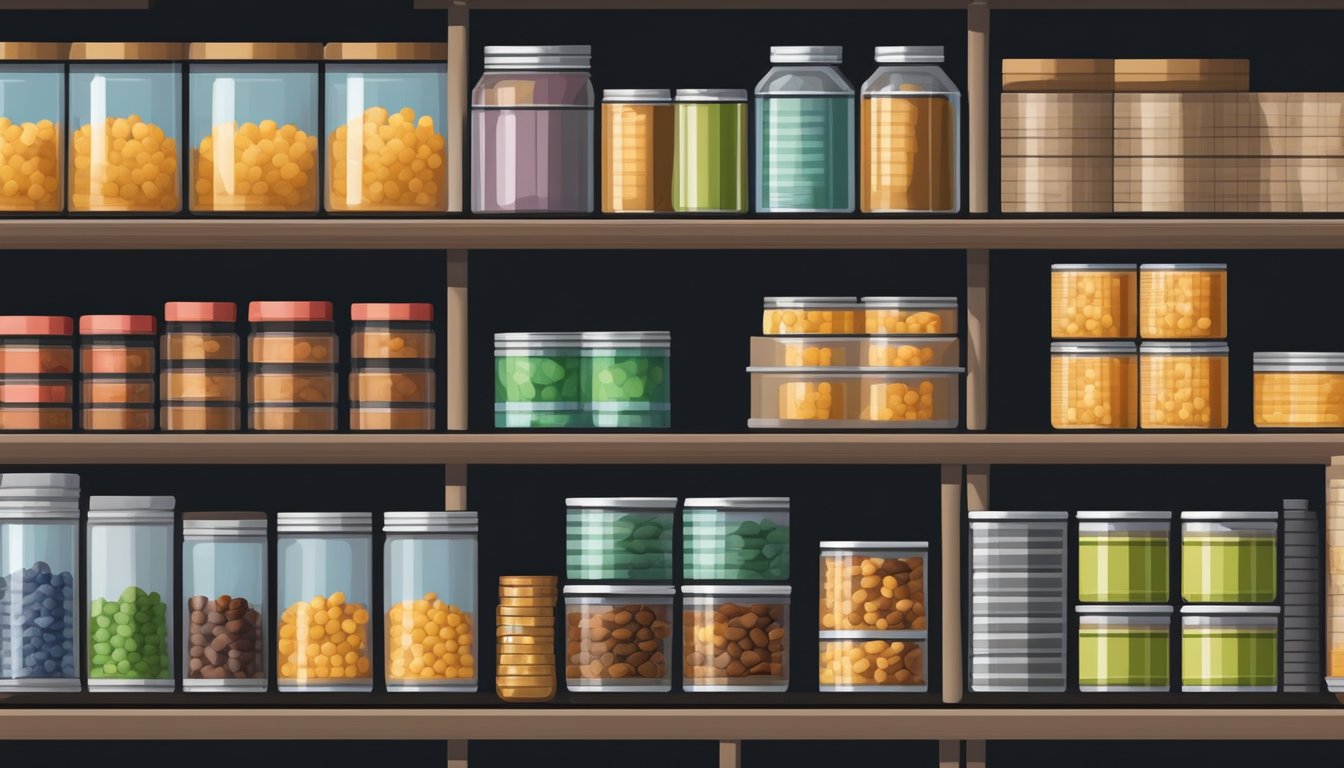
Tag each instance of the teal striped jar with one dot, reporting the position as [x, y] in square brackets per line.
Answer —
[709, 173]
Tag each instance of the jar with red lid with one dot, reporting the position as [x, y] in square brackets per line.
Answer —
[200, 382]
[37, 366]
[117, 372]
[292, 356]
[392, 350]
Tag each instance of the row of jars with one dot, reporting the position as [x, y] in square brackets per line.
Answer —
[1152, 301]
[195, 381]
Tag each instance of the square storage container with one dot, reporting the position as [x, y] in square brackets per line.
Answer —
[628, 376]
[537, 381]
[626, 538]
[1124, 557]
[873, 590]
[1183, 301]
[1094, 301]
[855, 351]
[1230, 649]
[855, 398]
[226, 580]
[1124, 648]
[1229, 557]
[37, 364]
[735, 539]
[1301, 390]
[618, 639]
[1183, 385]
[1094, 385]
[735, 639]
[32, 122]
[916, 315]
[806, 315]
[201, 384]
[859, 665]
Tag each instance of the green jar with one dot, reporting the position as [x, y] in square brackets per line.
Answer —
[1124, 648]
[709, 170]
[735, 539]
[627, 538]
[1229, 557]
[538, 380]
[1230, 648]
[627, 378]
[1124, 557]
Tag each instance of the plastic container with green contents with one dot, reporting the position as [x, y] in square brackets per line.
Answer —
[735, 539]
[628, 378]
[627, 538]
[1229, 557]
[1230, 648]
[538, 380]
[1124, 557]
[1124, 648]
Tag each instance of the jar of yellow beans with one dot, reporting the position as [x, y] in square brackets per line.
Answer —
[854, 398]
[125, 115]
[811, 315]
[1299, 389]
[1096, 301]
[1183, 301]
[32, 116]
[1183, 385]
[1094, 385]
[910, 315]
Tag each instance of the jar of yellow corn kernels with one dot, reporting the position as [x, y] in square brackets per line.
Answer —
[392, 359]
[32, 116]
[1094, 385]
[1183, 301]
[253, 127]
[1093, 301]
[905, 314]
[292, 358]
[1299, 389]
[789, 315]
[1183, 385]
[386, 110]
[125, 114]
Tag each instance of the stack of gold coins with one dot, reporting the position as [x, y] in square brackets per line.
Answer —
[525, 638]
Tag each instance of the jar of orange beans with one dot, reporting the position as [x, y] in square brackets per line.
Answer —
[200, 382]
[292, 356]
[392, 359]
[37, 366]
[117, 372]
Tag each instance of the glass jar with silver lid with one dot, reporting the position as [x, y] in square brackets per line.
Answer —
[226, 583]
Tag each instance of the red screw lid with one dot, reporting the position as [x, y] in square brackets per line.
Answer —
[36, 325]
[200, 312]
[289, 311]
[117, 325]
[414, 312]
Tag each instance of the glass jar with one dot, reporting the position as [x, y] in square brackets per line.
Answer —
[618, 639]
[532, 131]
[1184, 385]
[805, 133]
[1183, 301]
[392, 385]
[32, 103]
[1124, 648]
[1094, 385]
[709, 169]
[1299, 389]
[538, 381]
[200, 383]
[1124, 557]
[627, 538]
[629, 378]
[39, 583]
[1095, 301]
[855, 398]
[429, 592]
[226, 580]
[125, 114]
[253, 121]
[911, 352]
[131, 570]
[915, 315]
[735, 539]
[873, 590]
[1229, 557]
[1230, 649]
[37, 363]
[292, 357]
[326, 587]
[874, 665]
[910, 134]
[735, 639]
[117, 372]
[637, 148]
[807, 315]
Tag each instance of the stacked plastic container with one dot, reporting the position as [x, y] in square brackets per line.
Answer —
[1301, 598]
[37, 369]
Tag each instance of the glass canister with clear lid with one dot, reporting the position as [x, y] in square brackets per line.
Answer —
[1124, 648]
[131, 569]
[292, 358]
[1301, 390]
[32, 117]
[538, 381]
[117, 363]
[805, 132]
[253, 127]
[910, 134]
[735, 639]
[1096, 301]
[799, 315]
[325, 590]
[898, 315]
[1124, 556]
[1094, 385]
[626, 538]
[1229, 557]
[735, 539]
[1183, 301]
[628, 377]
[618, 639]
[125, 115]
[37, 364]
[874, 589]
[225, 578]
[709, 168]
[1230, 648]
[1183, 384]
[637, 148]
[200, 382]
[392, 382]
[532, 131]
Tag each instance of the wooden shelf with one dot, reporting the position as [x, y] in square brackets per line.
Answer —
[880, 5]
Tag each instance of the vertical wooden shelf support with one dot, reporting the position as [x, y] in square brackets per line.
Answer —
[977, 103]
[975, 754]
[458, 57]
[949, 754]
[977, 340]
[455, 333]
[730, 754]
[457, 754]
[977, 487]
[950, 586]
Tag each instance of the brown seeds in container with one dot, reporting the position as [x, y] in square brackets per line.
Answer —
[224, 639]
[873, 593]
[733, 641]
[602, 642]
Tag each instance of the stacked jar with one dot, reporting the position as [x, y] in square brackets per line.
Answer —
[226, 580]
[392, 348]
[201, 384]
[1183, 373]
[32, 147]
[292, 356]
[1093, 384]
[872, 619]
[37, 368]
[117, 372]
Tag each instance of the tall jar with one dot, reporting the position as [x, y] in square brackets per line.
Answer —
[131, 569]
[386, 111]
[116, 367]
[629, 378]
[392, 384]
[125, 114]
[32, 116]
[226, 579]
[637, 142]
[735, 639]
[709, 169]
[326, 588]
[37, 366]
[292, 356]
[200, 383]
[805, 133]
[532, 131]
[910, 134]
[253, 127]
[429, 592]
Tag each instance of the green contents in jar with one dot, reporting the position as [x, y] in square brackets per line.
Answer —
[128, 637]
[709, 173]
[1116, 657]
[1236, 568]
[1119, 568]
[600, 545]
[538, 391]
[629, 389]
[719, 548]
[1239, 657]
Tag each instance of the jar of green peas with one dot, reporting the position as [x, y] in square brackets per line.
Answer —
[628, 378]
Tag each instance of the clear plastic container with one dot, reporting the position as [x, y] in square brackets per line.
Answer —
[735, 639]
[125, 114]
[1094, 385]
[1229, 557]
[1183, 301]
[131, 569]
[32, 117]
[117, 372]
[392, 350]
[637, 148]
[627, 378]
[253, 127]
[1301, 390]
[1183, 385]
[1230, 649]
[900, 315]
[618, 639]
[226, 582]
[532, 131]
[806, 315]
[1094, 301]
[735, 539]
[853, 665]
[709, 168]
[538, 381]
[326, 590]
[910, 134]
[854, 398]
[429, 593]
[873, 590]
[386, 114]
[200, 382]
[37, 363]
[1124, 557]
[855, 351]
[911, 352]
[805, 133]
[1124, 648]
[292, 355]
[624, 538]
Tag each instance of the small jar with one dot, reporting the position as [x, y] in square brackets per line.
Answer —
[735, 639]
[32, 117]
[538, 381]
[735, 539]
[1124, 557]
[911, 352]
[326, 588]
[709, 170]
[1094, 385]
[226, 580]
[805, 132]
[1184, 385]
[629, 378]
[625, 538]
[117, 372]
[1229, 557]
[637, 148]
[853, 665]
[1183, 301]
[292, 357]
[200, 384]
[37, 363]
[1124, 648]
[806, 315]
[1093, 301]
[429, 589]
[1302, 390]
[131, 569]
[618, 639]
[1230, 649]
[392, 385]
[873, 590]
[897, 315]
